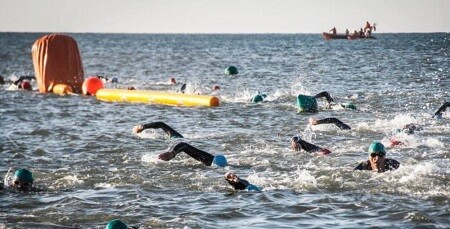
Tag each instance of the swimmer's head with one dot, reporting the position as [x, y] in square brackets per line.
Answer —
[114, 80]
[116, 224]
[26, 86]
[172, 80]
[295, 145]
[216, 87]
[220, 160]
[23, 179]
[409, 128]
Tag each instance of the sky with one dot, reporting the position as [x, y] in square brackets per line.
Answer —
[222, 16]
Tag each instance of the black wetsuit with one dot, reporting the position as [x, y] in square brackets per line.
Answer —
[335, 121]
[326, 95]
[442, 108]
[391, 164]
[169, 131]
[306, 146]
[199, 155]
[22, 78]
[240, 185]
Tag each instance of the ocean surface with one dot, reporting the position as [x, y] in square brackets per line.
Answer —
[92, 168]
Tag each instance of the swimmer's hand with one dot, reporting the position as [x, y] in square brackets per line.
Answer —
[313, 121]
[167, 156]
[138, 129]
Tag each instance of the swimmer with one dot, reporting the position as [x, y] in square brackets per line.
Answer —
[259, 97]
[117, 224]
[377, 160]
[199, 155]
[297, 144]
[106, 80]
[23, 83]
[442, 109]
[2, 80]
[335, 121]
[240, 184]
[408, 129]
[155, 125]
[172, 81]
[22, 181]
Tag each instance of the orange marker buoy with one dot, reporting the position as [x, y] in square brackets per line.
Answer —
[91, 85]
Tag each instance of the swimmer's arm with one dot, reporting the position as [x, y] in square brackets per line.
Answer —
[326, 95]
[155, 125]
[334, 121]
[442, 109]
[22, 78]
[308, 147]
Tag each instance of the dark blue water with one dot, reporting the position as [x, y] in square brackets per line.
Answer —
[93, 168]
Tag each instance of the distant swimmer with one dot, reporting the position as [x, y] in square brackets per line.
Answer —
[442, 109]
[118, 224]
[377, 161]
[335, 121]
[2, 80]
[297, 144]
[155, 125]
[23, 83]
[21, 181]
[106, 80]
[199, 155]
[240, 184]
[307, 103]
[408, 129]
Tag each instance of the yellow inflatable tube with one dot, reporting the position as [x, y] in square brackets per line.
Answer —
[167, 98]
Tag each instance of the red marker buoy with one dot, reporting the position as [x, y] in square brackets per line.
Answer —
[91, 85]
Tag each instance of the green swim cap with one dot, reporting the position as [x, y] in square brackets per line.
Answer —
[231, 71]
[116, 224]
[306, 103]
[348, 106]
[24, 175]
[258, 98]
[376, 147]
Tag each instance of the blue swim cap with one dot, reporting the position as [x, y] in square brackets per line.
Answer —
[251, 187]
[24, 175]
[116, 224]
[376, 147]
[232, 70]
[258, 98]
[220, 160]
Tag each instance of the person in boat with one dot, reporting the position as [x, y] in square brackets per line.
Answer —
[347, 32]
[441, 110]
[335, 121]
[377, 160]
[199, 155]
[367, 26]
[298, 144]
[158, 125]
[333, 31]
[239, 183]
[361, 32]
[21, 181]
[23, 83]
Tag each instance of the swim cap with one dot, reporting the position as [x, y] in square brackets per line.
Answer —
[114, 80]
[258, 98]
[220, 160]
[306, 103]
[251, 187]
[24, 175]
[116, 224]
[231, 70]
[376, 147]
[26, 86]
[348, 106]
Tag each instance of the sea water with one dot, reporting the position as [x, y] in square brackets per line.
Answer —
[92, 168]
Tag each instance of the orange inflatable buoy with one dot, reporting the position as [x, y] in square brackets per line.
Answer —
[91, 85]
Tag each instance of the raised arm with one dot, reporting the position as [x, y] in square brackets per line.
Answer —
[199, 155]
[158, 125]
[326, 95]
[442, 109]
[22, 78]
[334, 121]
